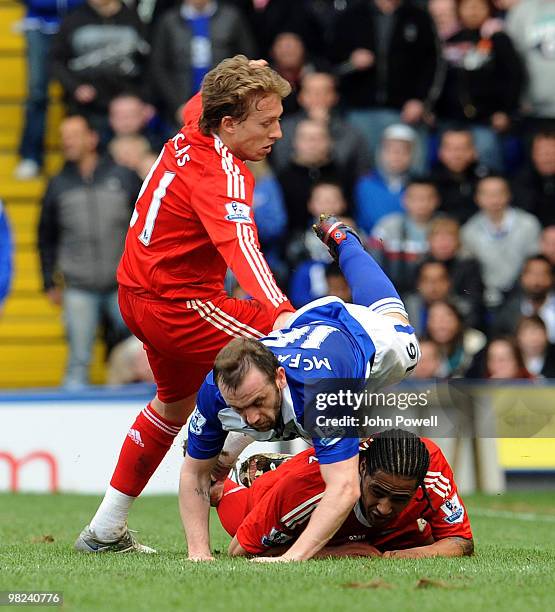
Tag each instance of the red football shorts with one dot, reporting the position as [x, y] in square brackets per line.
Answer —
[183, 337]
[233, 507]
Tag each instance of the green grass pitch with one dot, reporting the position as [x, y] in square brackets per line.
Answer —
[513, 567]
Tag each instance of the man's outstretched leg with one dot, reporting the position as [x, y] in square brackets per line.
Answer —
[146, 444]
[380, 309]
[369, 284]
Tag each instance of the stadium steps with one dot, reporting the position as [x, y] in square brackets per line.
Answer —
[33, 350]
[11, 124]
[17, 191]
[9, 160]
[41, 359]
[10, 37]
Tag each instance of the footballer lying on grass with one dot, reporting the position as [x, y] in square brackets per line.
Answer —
[409, 505]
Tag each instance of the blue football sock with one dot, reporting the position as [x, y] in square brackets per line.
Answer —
[369, 284]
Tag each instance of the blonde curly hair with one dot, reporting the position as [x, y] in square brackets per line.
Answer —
[233, 87]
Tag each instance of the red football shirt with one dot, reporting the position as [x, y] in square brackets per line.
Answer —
[280, 503]
[193, 219]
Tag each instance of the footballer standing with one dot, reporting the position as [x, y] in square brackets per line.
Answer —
[193, 220]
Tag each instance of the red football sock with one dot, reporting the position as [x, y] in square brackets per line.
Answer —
[146, 444]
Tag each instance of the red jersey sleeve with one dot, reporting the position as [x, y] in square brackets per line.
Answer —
[222, 200]
[283, 512]
[448, 517]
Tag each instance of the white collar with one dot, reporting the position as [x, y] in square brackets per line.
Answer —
[287, 410]
[289, 417]
[504, 227]
[547, 307]
[360, 514]
[231, 421]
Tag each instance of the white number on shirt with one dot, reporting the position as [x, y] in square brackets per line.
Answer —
[313, 340]
[154, 207]
[135, 214]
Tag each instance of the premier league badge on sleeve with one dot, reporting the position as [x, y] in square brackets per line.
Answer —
[197, 422]
[453, 510]
[238, 212]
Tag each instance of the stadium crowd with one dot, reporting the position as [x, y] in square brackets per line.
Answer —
[429, 126]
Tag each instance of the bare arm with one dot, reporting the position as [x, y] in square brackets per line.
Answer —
[350, 549]
[448, 547]
[194, 505]
[281, 320]
[235, 549]
[234, 445]
[342, 491]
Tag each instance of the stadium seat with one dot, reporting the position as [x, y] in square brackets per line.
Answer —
[11, 124]
[32, 345]
[11, 40]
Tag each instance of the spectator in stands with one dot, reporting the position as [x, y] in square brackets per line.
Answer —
[41, 22]
[317, 27]
[270, 215]
[128, 363]
[464, 271]
[500, 237]
[84, 218]
[318, 99]
[534, 295]
[307, 255]
[505, 5]
[400, 240]
[188, 41]
[446, 19]
[380, 192]
[268, 18]
[547, 244]
[129, 115]
[504, 360]
[146, 164]
[530, 25]
[312, 20]
[457, 174]
[483, 82]
[537, 351]
[534, 187]
[98, 54]
[129, 151]
[150, 11]
[290, 59]
[430, 365]
[337, 284]
[387, 58]
[312, 162]
[6, 257]
[432, 284]
[457, 342]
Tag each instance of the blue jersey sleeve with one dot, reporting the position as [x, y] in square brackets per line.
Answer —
[206, 435]
[336, 449]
